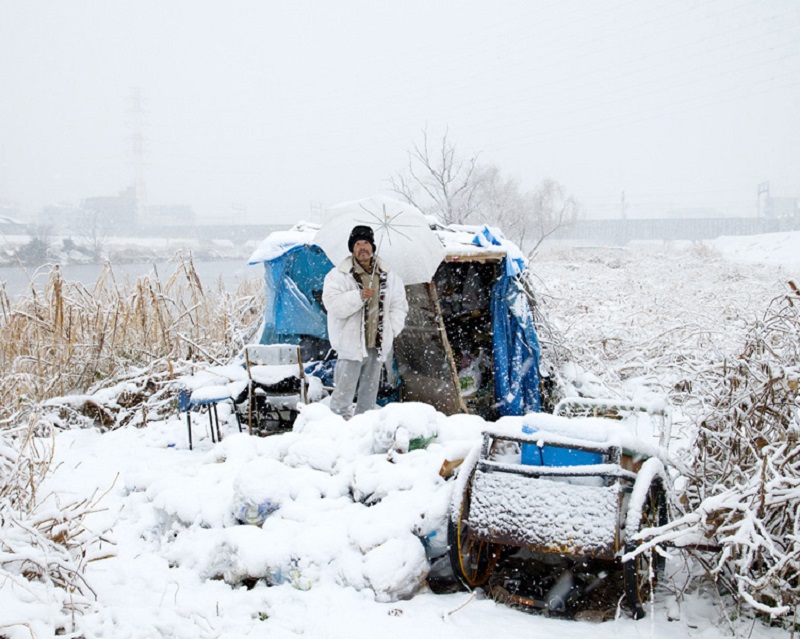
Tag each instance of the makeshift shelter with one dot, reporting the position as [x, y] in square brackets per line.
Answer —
[294, 270]
[469, 345]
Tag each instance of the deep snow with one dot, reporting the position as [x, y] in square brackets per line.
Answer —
[344, 511]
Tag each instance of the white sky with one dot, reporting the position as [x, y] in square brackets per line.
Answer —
[260, 109]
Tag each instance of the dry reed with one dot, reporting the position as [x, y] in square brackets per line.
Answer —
[62, 340]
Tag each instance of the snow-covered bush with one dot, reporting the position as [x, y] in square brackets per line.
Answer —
[742, 498]
[44, 546]
[744, 487]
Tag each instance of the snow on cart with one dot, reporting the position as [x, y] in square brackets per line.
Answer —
[565, 495]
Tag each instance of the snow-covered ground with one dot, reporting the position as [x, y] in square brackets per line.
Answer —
[782, 249]
[345, 507]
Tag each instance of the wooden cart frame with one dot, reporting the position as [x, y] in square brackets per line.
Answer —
[573, 510]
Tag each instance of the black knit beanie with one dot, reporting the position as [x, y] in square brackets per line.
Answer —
[361, 233]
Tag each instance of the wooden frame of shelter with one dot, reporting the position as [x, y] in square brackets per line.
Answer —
[449, 330]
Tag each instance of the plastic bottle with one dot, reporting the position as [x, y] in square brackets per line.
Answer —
[435, 544]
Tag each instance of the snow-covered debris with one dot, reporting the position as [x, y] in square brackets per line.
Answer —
[333, 501]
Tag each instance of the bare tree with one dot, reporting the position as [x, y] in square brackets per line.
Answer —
[456, 189]
[94, 233]
[438, 181]
[498, 200]
[551, 209]
[526, 217]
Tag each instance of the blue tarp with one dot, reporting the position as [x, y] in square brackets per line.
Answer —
[515, 261]
[516, 348]
[292, 279]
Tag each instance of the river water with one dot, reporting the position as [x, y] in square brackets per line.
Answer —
[18, 279]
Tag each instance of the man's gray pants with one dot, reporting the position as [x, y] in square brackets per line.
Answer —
[349, 375]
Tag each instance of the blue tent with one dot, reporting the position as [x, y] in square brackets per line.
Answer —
[293, 295]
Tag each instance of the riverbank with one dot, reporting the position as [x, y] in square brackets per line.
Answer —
[17, 280]
[34, 251]
[26, 261]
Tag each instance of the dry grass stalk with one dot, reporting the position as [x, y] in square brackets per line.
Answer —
[63, 341]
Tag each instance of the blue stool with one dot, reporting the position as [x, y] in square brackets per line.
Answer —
[187, 401]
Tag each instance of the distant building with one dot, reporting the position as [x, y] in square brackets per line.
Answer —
[784, 209]
[113, 213]
[8, 209]
[62, 219]
[106, 213]
[12, 226]
[171, 215]
[9, 221]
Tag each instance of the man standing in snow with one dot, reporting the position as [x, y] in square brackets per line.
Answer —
[367, 307]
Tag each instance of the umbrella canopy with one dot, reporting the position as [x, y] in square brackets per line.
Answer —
[403, 237]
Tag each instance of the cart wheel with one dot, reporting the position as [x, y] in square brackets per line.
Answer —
[642, 572]
[472, 560]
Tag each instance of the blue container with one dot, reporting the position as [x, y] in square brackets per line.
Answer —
[531, 453]
[534, 455]
[553, 456]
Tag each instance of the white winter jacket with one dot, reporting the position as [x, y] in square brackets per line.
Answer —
[342, 298]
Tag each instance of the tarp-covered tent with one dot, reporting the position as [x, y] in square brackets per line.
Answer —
[470, 342]
[294, 270]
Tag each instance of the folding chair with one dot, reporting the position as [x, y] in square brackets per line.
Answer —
[208, 396]
[276, 383]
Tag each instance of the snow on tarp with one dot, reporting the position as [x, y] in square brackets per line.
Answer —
[279, 243]
[628, 434]
[489, 236]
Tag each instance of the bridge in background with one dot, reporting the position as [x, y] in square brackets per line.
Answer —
[622, 231]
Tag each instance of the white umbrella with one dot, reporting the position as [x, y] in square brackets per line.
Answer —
[403, 237]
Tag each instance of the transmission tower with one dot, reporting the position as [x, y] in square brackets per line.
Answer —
[136, 113]
[316, 209]
[763, 203]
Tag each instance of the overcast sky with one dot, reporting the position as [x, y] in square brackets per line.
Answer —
[263, 110]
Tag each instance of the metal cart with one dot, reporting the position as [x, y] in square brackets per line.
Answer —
[572, 488]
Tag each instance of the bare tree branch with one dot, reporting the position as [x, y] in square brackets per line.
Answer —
[440, 183]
